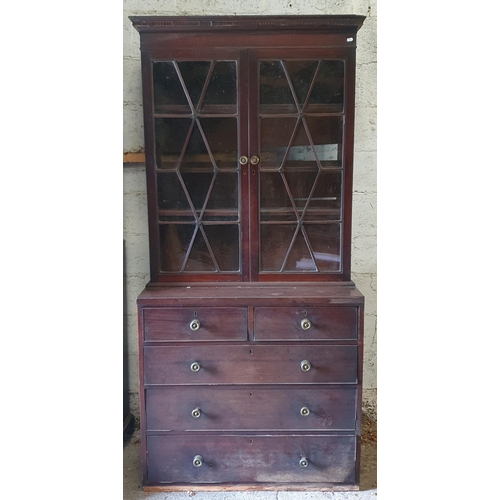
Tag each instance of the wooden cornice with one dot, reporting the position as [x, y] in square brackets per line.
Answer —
[239, 23]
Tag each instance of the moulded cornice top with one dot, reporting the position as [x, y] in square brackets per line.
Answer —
[238, 23]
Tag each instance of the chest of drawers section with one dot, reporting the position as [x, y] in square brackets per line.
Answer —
[249, 388]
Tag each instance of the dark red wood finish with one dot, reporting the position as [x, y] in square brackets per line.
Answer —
[250, 364]
[247, 40]
[252, 459]
[250, 388]
[172, 324]
[285, 323]
[251, 408]
[250, 385]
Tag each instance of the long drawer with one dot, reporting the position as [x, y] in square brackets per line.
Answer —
[250, 364]
[251, 459]
[306, 323]
[187, 324]
[251, 408]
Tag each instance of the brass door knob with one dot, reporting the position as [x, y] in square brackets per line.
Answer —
[196, 413]
[195, 367]
[243, 160]
[198, 461]
[194, 325]
[303, 462]
[305, 365]
[305, 324]
[254, 160]
[305, 411]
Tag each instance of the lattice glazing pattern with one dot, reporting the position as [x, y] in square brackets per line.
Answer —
[301, 116]
[196, 123]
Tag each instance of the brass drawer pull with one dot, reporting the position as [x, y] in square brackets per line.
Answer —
[305, 365]
[254, 160]
[304, 411]
[196, 413]
[194, 325]
[198, 461]
[303, 462]
[305, 324]
[243, 160]
[195, 367]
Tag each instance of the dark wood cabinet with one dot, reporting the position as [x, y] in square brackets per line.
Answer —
[250, 330]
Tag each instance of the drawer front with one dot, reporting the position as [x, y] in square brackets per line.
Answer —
[179, 324]
[307, 323]
[251, 408]
[251, 459]
[250, 364]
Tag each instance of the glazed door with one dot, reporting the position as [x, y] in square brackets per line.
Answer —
[303, 164]
[199, 125]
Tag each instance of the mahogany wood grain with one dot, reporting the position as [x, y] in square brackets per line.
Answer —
[257, 294]
[247, 39]
[251, 408]
[172, 324]
[254, 487]
[284, 323]
[252, 459]
[249, 364]
[250, 387]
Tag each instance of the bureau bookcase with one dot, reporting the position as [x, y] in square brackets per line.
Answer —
[250, 329]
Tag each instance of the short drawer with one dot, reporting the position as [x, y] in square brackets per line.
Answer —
[251, 459]
[251, 408]
[250, 364]
[179, 324]
[306, 323]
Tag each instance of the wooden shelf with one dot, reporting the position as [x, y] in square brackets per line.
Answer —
[134, 158]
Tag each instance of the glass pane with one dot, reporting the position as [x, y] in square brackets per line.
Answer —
[300, 184]
[328, 87]
[199, 257]
[197, 186]
[222, 138]
[326, 134]
[326, 200]
[194, 74]
[174, 243]
[220, 96]
[325, 242]
[224, 195]
[272, 191]
[171, 195]
[301, 74]
[301, 154]
[300, 257]
[275, 240]
[275, 136]
[275, 93]
[196, 157]
[169, 97]
[170, 137]
[225, 243]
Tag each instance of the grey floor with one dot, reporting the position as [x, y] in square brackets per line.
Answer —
[132, 489]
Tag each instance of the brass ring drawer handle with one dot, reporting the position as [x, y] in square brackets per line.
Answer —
[243, 160]
[305, 324]
[195, 367]
[303, 462]
[305, 365]
[254, 160]
[198, 461]
[304, 411]
[195, 325]
[196, 413]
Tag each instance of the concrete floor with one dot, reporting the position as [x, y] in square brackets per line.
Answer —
[132, 489]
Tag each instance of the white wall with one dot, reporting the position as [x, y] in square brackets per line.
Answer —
[364, 271]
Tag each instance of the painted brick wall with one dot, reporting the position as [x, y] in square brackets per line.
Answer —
[364, 270]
